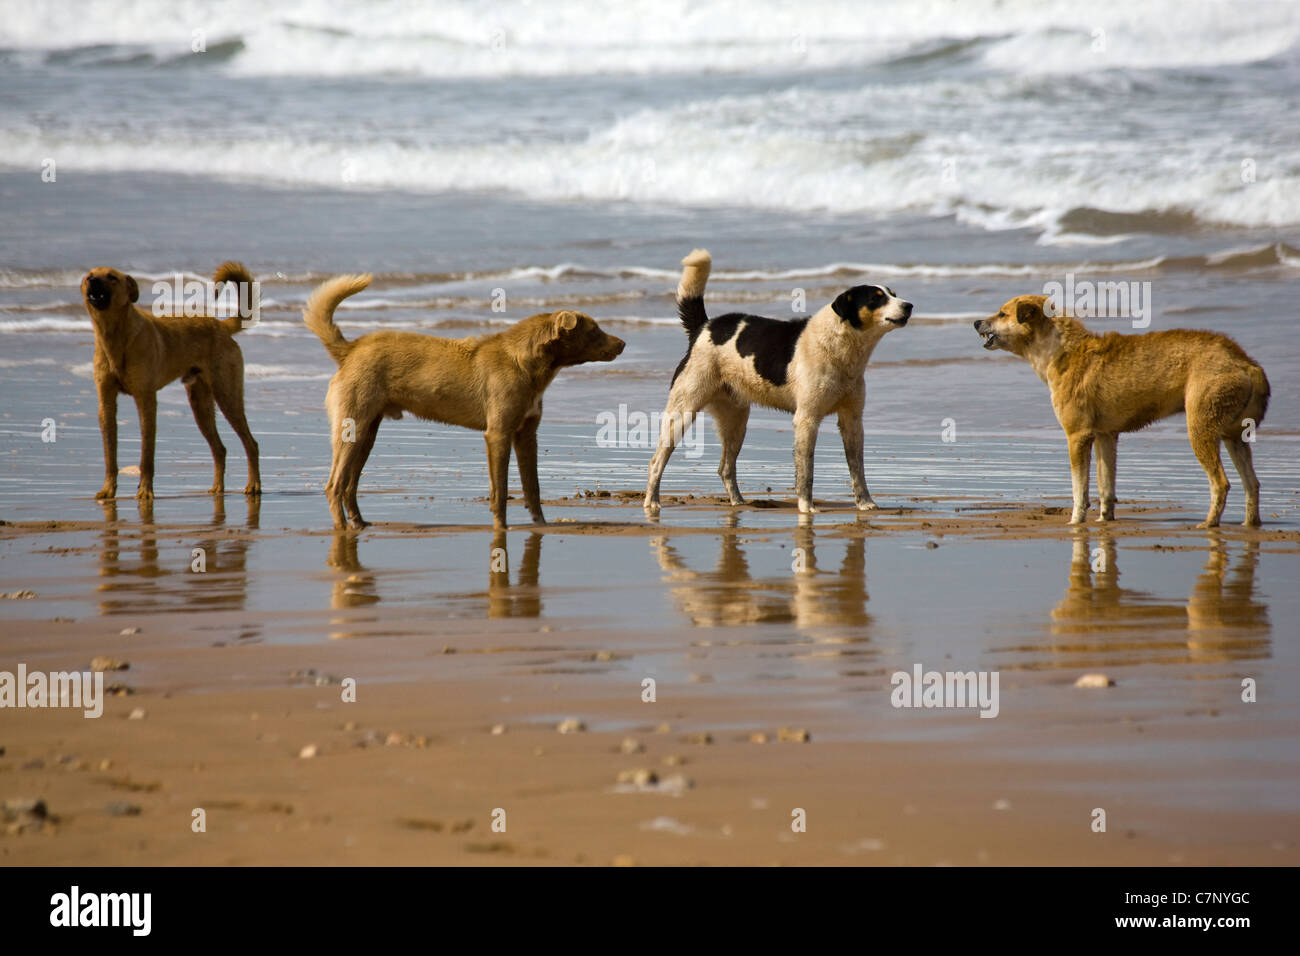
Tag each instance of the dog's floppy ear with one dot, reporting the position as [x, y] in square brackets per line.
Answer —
[132, 289]
[843, 306]
[565, 321]
[1028, 311]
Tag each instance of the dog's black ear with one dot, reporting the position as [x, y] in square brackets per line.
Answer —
[1028, 311]
[843, 306]
[133, 290]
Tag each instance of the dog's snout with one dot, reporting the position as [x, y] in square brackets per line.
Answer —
[617, 345]
[907, 310]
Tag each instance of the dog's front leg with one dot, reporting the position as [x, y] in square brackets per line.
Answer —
[805, 443]
[108, 431]
[526, 461]
[1080, 462]
[147, 406]
[851, 432]
[498, 453]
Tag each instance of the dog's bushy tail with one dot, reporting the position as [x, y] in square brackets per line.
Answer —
[318, 313]
[236, 273]
[690, 292]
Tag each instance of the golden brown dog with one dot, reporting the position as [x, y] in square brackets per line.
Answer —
[491, 383]
[1106, 384]
[138, 353]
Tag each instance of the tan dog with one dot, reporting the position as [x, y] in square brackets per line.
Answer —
[138, 353]
[1106, 384]
[491, 383]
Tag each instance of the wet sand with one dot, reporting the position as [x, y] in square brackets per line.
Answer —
[238, 669]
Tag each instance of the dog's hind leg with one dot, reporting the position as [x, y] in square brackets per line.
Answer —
[1106, 446]
[1239, 451]
[354, 464]
[229, 392]
[205, 416]
[147, 406]
[1206, 446]
[677, 418]
[342, 438]
[1080, 460]
[525, 443]
[850, 422]
[732, 420]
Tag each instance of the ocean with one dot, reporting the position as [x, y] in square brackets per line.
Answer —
[490, 160]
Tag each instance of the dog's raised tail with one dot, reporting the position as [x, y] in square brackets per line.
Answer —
[318, 313]
[690, 291]
[244, 292]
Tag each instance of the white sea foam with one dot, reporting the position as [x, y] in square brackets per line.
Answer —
[484, 38]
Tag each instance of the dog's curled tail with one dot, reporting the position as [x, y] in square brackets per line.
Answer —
[318, 313]
[243, 279]
[690, 291]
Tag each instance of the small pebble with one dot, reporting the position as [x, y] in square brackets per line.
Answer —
[350, 725]
[674, 760]
[396, 739]
[308, 752]
[932, 545]
[31, 805]
[18, 595]
[631, 745]
[793, 735]
[120, 808]
[1002, 804]
[703, 737]
[1094, 680]
[758, 737]
[128, 631]
[498, 730]
[571, 726]
[138, 714]
[641, 777]
[108, 664]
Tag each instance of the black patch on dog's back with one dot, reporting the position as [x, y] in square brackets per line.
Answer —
[724, 327]
[771, 342]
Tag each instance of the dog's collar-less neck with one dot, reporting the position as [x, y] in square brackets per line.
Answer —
[114, 339]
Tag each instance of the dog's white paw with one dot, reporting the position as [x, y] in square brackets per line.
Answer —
[806, 507]
[866, 504]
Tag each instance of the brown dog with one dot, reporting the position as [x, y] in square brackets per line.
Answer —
[1106, 384]
[491, 383]
[138, 353]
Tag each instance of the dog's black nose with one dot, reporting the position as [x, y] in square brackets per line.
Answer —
[976, 323]
[907, 310]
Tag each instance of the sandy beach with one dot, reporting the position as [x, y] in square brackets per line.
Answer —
[772, 692]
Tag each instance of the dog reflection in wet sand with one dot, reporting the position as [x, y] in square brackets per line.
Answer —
[805, 595]
[356, 585]
[1221, 620]
[216, 577]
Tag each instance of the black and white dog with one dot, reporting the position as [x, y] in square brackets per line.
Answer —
[810, 367]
